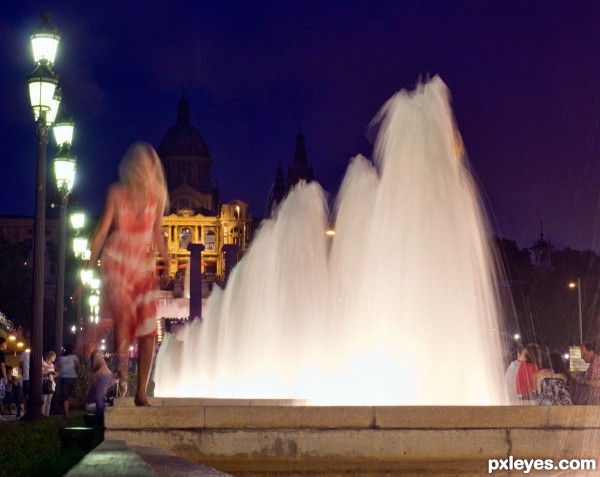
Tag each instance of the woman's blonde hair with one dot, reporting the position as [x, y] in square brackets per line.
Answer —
[49, 355]
[131, 172]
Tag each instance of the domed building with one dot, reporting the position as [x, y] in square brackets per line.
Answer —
[188, 165]
[196, 214]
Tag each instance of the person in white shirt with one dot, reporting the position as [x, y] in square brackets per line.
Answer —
[24, 369]
[510, 379]
[48, 372]
[68, 364]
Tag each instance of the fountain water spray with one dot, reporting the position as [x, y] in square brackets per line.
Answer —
[399, 308]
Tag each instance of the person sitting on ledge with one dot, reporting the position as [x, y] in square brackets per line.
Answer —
[588, 386]
[551, 382]
[102, 378]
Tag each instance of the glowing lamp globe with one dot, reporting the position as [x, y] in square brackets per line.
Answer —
[44, 41]
[64, 169]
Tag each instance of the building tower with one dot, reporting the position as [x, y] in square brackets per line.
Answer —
[300, 169]
[186, 159]
[542, 251]
[277, 193]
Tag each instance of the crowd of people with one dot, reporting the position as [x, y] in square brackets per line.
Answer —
[540, 377]
[59, 377]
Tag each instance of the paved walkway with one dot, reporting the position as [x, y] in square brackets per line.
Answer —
[116, 458]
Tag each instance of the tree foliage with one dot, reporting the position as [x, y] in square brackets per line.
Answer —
[15, 282]
[544, 308]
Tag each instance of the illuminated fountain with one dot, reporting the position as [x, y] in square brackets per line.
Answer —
[385, 333]
[398, 308]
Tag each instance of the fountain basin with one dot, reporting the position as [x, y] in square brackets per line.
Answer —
[264, 437]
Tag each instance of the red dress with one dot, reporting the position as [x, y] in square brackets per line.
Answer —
[127, 270]
[525, 379]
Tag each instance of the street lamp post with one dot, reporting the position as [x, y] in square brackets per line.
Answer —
[578, 286]
[44, 102]
[64, 169]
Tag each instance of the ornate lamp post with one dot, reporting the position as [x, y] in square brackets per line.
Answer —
[64, 169]
[44, 102]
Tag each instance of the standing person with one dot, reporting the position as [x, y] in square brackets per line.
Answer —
[531, 365]
[588, 385]
[7, 401]
[18, 394]
[129, 230]
[510, 378]
[3, 375]
[48, 373]
[68, 364]
[24, 368]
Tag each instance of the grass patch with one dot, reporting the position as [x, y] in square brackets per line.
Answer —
[33, 448]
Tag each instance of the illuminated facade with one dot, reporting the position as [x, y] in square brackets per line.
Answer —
[196, 214]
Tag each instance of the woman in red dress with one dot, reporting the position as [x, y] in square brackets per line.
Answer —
[525, 383]
[128, 233]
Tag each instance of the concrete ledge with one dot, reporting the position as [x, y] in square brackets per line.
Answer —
[195, 402]
[299, 440]
[224, 415]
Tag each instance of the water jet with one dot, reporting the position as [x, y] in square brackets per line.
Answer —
[374, 352]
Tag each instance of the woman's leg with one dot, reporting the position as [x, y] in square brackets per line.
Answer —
[46, 404]
[145, 355]
[122, 342]
[102, 385]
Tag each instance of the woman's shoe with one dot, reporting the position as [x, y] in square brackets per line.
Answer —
[140, 402]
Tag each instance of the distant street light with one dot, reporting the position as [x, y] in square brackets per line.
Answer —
[515, 336]
[94, 301]
[578, 286]
[82, 254]
[44, 98]
[64, 169]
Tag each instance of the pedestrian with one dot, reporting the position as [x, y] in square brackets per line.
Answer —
[525, 384]
[102, 378]
[3, 375]
[68, 364]
[7, 401]
[128, 233]
[24, 368]
[18, 394]
[587, 391]
[510, 378]
[48, 383]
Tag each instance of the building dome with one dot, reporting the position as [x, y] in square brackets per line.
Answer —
[183, 138]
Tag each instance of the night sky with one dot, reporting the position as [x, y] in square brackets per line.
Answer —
[524, 79]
